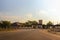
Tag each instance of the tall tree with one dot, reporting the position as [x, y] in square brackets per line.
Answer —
[49, 24]
[5, 24]
[31, 22]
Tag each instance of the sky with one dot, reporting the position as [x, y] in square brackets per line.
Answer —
[24, 10]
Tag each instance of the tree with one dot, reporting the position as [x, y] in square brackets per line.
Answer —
[34, 22]
[30, 23]
[49, 24]
[5, 24]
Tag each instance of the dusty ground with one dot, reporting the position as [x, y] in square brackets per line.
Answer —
[28, 34]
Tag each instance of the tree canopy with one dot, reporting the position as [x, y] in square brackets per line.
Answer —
[49, 23]
[5, 24]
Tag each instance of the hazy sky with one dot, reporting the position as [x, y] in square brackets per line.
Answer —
[23, 10]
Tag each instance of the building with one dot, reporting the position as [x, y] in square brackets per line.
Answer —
[40, 24]
[15, 25]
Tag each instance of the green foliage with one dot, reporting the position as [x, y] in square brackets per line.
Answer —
[31, 22]
[5, 24]
[49, 23]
